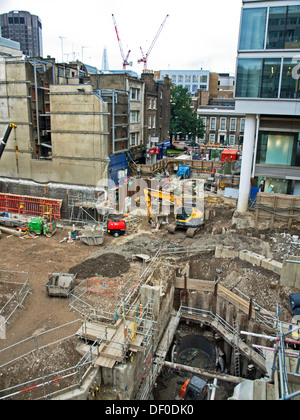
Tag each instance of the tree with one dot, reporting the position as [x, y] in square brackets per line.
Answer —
[183, 120]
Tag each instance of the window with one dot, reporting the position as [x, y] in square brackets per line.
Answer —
[180, 78]
[232, 124]
[270, 78]
[212, 123]
[223, 124]
[153, 121]
[154, 103]
[284, 27]
[203, 119]
[195, 78]
[253, 27]
[242, 127]
[134, 116]
[290, 83]
[174, 78]
[134, 139]
[203, 79]
[187, 78]
[231, 139]
[134, 94]
[248, 77]
[276, 29]
[150, 103]
[276, 149]
[149, 121]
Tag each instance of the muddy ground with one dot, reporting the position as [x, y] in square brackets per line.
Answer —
[41, 255]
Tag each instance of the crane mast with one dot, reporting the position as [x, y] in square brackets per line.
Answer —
[125, 59]
[144, 58]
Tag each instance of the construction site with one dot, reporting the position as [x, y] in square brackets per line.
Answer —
[93, 309]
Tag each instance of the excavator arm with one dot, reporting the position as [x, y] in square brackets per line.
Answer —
[5, 138]
[161, 195]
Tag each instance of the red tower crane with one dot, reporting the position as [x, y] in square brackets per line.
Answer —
[125, 59]
[145, 57]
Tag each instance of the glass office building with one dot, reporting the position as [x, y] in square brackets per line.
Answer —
[269, 29]
[268, 93]
[25, 28]
[190, 79]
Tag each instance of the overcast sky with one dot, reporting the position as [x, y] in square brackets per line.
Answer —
[197, 34]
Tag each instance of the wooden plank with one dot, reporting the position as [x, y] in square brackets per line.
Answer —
[93, 331]
[208, 286]
[105, 362]
[195, 284]
[167, 337]
[113, 351]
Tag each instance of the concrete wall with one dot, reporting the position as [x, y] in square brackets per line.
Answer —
[79, 130]
[290, 273]
[79, 134]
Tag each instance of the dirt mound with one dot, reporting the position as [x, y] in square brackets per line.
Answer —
[106, 265]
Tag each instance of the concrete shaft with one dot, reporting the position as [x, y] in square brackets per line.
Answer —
[244, 188]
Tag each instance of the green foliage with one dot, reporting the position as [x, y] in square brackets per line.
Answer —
[183, 119]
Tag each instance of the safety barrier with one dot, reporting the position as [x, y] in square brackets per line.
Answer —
[27, 205]
[16, 279]
[53, 382]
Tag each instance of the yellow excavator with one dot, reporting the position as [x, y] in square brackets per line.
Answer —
[187, 216]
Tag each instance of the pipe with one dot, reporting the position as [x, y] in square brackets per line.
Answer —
[255, 147]
[214, 387]
[257, 346]
[202, 372]
[290, 396]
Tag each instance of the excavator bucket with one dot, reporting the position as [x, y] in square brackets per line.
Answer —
[92, 237]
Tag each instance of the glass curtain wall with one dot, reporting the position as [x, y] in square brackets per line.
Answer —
[260, 78]
[283, 30]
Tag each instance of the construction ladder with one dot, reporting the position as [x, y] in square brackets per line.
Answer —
[236, 350]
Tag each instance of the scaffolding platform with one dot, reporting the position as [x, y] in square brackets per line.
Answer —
[113, 340]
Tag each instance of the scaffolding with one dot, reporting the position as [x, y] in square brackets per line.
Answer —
[119, 107]
[82, 209]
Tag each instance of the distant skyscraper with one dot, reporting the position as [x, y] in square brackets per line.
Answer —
[105, 66]
[24, 28]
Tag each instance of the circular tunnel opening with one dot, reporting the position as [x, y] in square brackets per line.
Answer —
[195, 351]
